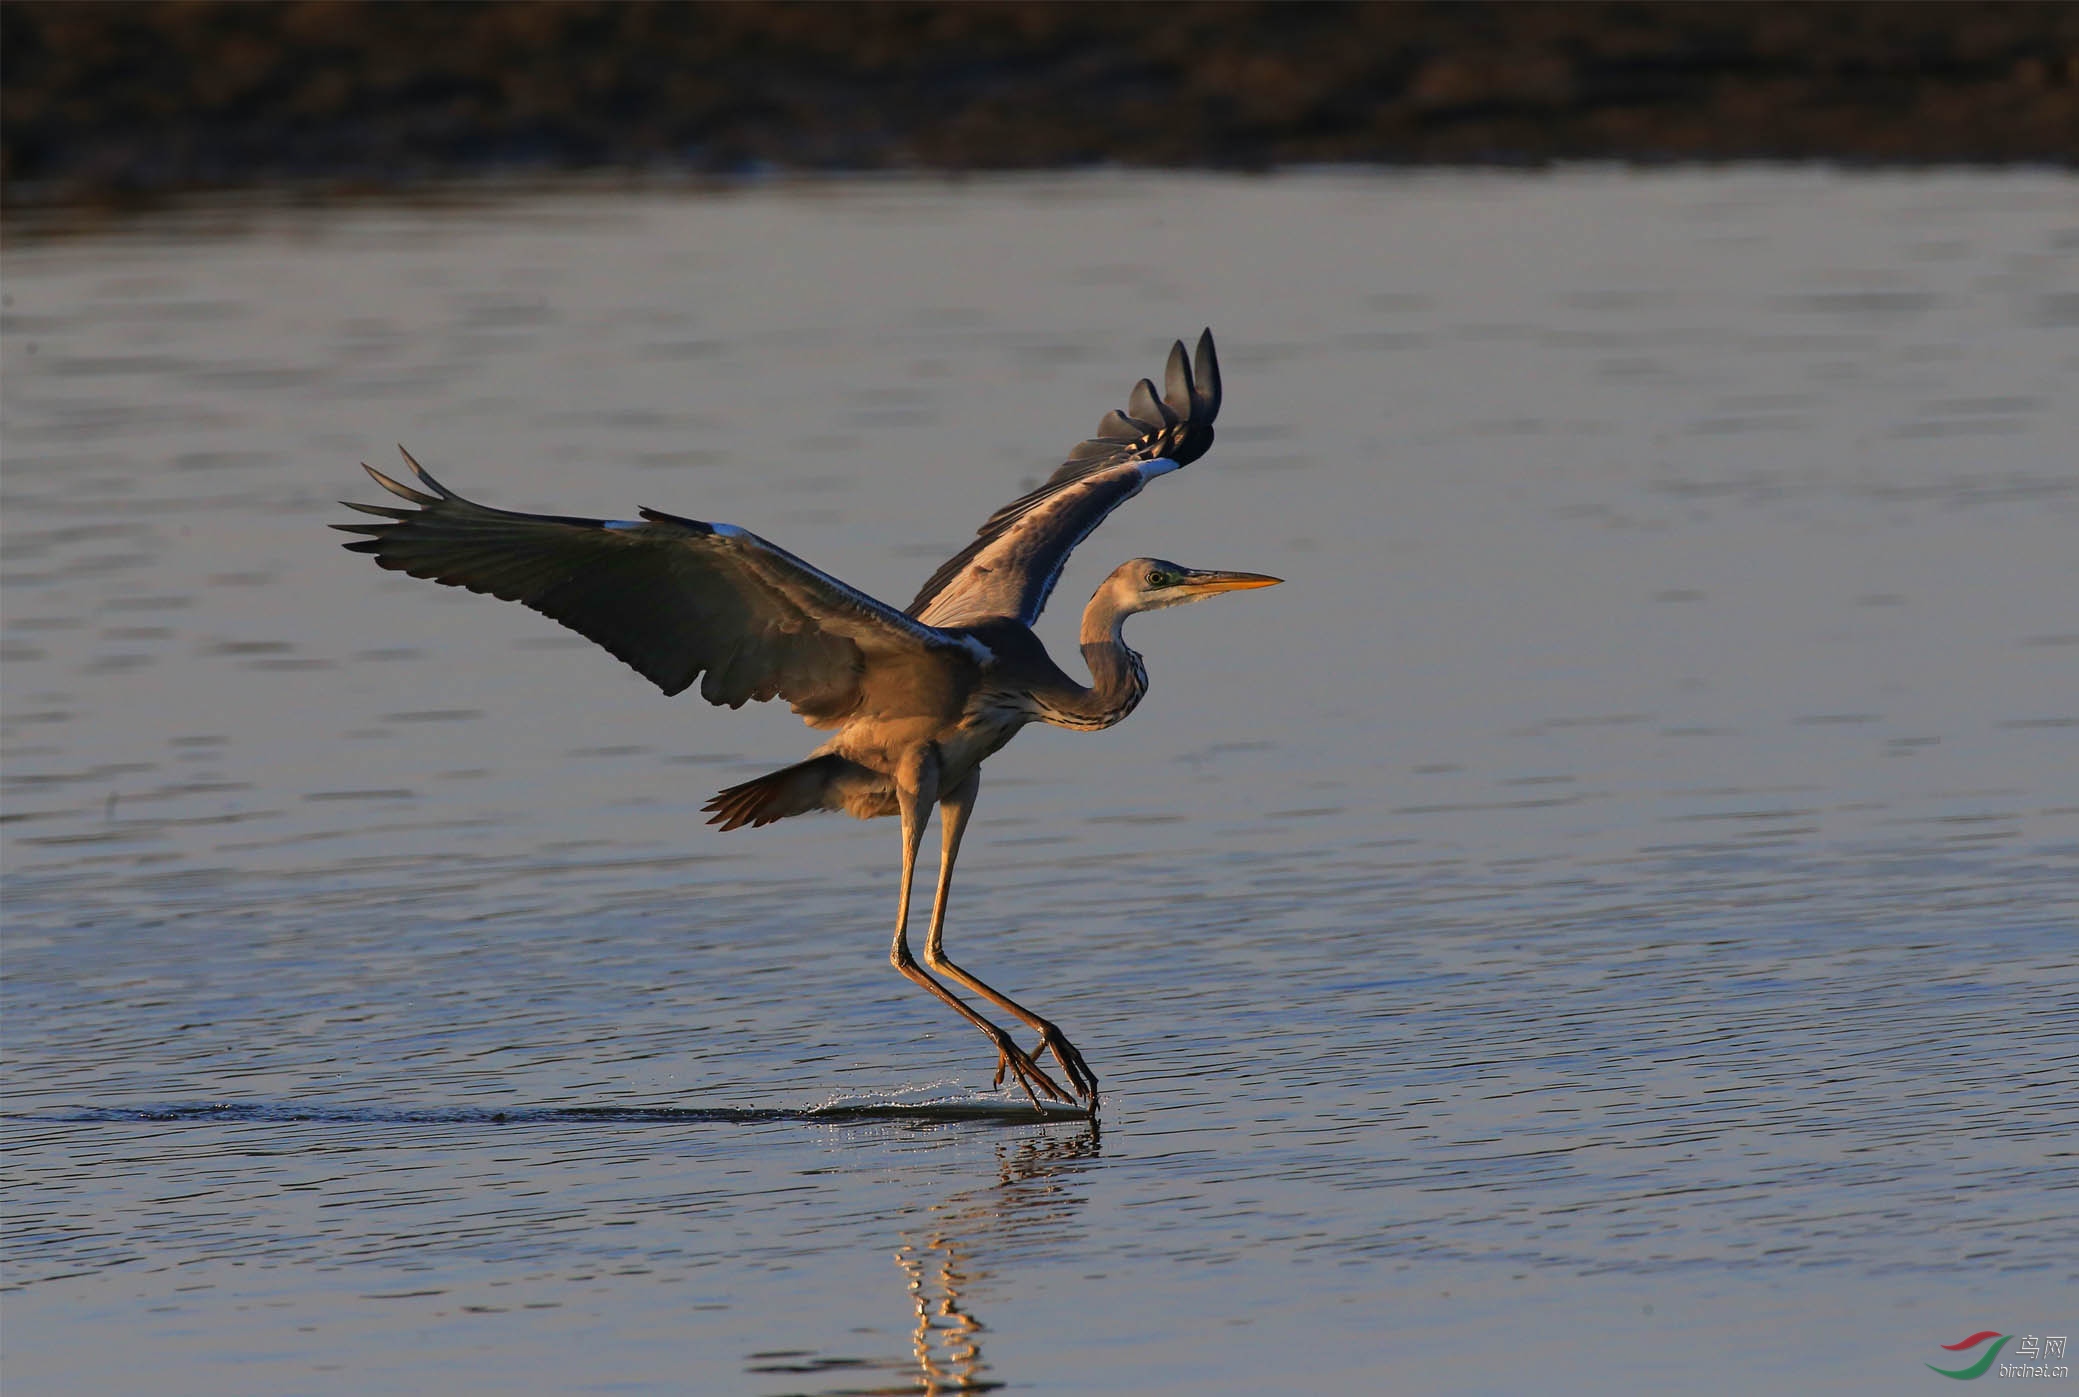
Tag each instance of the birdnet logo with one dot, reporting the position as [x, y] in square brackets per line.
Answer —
[2028, 1349]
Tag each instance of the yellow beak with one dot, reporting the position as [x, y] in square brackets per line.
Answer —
[1208, 583]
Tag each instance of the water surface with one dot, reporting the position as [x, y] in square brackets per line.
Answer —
[1610, 914]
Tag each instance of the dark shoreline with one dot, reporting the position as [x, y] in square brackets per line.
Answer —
[118, 102]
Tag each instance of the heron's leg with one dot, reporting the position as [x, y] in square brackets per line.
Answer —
[953, 813]
[917, 775]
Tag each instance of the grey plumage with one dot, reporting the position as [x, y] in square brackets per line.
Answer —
[918, 699]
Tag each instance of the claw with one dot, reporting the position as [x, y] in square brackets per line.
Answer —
[1073, 1065]
[1030, 1076]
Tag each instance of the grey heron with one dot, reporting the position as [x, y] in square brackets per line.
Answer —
[917, 697]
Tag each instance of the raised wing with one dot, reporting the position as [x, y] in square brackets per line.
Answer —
[674, 598]
[1017, 556]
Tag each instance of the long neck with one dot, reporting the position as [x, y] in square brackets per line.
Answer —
[1117, 679]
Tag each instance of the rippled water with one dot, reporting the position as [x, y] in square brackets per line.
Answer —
[1609, 919]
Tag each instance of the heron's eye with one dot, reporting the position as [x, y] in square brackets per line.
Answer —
[1158, 578]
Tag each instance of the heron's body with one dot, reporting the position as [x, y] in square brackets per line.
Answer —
[916, 699]
[966, 712]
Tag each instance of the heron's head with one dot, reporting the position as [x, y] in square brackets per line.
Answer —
[1150, 584]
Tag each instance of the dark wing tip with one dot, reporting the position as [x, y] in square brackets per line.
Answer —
[380, 511]
[1207, 389]
[1143, 406]
[420, 471]
[1176, 382]
[1177, 424]
[402, 492]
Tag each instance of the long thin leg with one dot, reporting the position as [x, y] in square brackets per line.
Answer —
[954, 811]
[918, 774]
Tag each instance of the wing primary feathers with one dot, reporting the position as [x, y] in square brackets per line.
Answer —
[420, 471]
[1122, 430]
[380, 511]
[1146, 409]
[402, 492]
[1176, 384]
[1206, 394]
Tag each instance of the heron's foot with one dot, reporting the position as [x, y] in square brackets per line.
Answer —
[1053, 1040]
[1012, 1059]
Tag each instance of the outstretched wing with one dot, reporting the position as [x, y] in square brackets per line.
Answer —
[674, 598]
[1017, 556]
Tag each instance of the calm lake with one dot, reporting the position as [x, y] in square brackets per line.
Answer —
[1610, 921]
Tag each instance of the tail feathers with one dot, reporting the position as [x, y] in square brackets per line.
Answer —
[793, 790]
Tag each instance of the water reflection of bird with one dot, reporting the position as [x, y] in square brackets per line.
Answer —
[918, 697]
[1026, 1205]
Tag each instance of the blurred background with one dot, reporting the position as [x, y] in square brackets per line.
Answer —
[106, 101]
